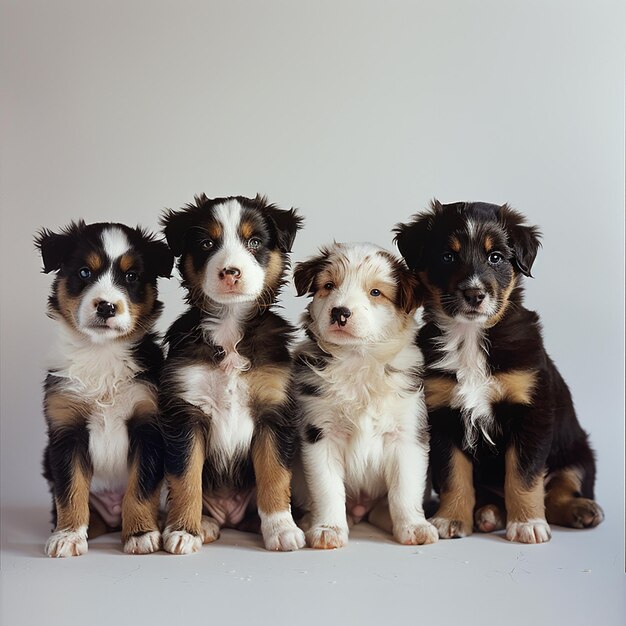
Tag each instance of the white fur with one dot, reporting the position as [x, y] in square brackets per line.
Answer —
[370, 415]
[224, 397]
[180, 541]
[465, 353]
[63, 543]
[529, 531]
[232, 253]
[280, 531]
[115, 242]
[143, 544]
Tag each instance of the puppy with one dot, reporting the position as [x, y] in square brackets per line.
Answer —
[104, 458]
[358, 374]
[226, 389]
[501, 416]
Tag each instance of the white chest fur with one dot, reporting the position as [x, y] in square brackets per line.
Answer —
[464, 352]
[103, 375]
[223, 396]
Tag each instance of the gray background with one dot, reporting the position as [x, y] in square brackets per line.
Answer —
[358, 113]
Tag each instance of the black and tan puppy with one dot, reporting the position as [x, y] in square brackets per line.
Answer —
[104, 458]
[501, 416]
[226, 389]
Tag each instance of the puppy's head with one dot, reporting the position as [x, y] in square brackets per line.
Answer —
[106, 277]
[361, 294]
[231, 249]
[469, 257]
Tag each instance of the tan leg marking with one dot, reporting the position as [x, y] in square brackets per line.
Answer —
[517, 386]
[268, 385]
[439, 391]
[564, 507]
[273, 480]
[457, 499]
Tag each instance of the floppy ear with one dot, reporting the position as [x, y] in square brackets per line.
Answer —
[410, 293]
[175, 226]
[159, 258]
[305, 273]
[411, 239]
[57, 247]
[523, 239]
[283, 224]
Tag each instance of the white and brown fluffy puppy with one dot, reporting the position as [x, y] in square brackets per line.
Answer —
[360, 393]
[226, 398]
[104, 458]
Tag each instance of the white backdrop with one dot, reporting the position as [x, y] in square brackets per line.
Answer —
[356, 112]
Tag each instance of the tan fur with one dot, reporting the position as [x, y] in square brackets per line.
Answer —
[214, 229]
[75, 512]
[455, 244]
[126, 262]
[439, 391]
[138, 516]
[68, 306]
[185, 499]
[274, 270]
[273, 480]
[516, 386]
[65, 409]
[246, 229]
[94, 261]
[523, 501]
[506, 294]
[268, 385]
[457, 499]
[488, 243]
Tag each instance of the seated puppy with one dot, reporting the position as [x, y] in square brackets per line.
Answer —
[358, 375]
[226, 398]
[501, 416]
[104, 458]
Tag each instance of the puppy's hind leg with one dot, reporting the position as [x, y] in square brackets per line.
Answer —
[565, 504]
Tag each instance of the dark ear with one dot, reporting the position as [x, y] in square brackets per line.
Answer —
[410, 294]
[283, 224]
[305, 273]
[159, 258]
[411, 240]
[523, 239]
[175, 226]
[57, 247]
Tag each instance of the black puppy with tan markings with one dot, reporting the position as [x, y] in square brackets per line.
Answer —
[226, 389]
[501, 416]
[104, 458]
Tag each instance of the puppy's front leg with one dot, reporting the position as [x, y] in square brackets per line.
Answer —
[524, 500]
[405, 473]
[140, 509]
[71, 474]
[324, 475]
[273, 485]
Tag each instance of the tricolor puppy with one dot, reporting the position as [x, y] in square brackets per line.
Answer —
[104, 458]
[501, 416]
[226, 389]
[360, 393]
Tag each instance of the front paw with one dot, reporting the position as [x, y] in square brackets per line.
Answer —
[210, 529]
[584, 513]
[62, 543]
[325, 537]
[451, 528]
[530, 531]
[145, 543]
[281, 533]
[489, 518]
[415, 534]
[180, 541]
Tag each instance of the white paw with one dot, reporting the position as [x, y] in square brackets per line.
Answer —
[451, 528]
[180, 542]
[62, 543]
[280, 532]
[210, 529]
[143, 544]
[327, 537]
[415, 534]
[532, 531]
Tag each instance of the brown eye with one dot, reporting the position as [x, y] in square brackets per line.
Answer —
[495, 258]
[131, 277]
[448, 257]
[84, 273]
[375, 293]
[206, 244]
[329, 286]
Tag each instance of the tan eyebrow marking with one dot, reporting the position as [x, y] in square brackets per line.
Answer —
[488, 243]
[246, 229]
[126, 262]
[455, 244]
[94, 260]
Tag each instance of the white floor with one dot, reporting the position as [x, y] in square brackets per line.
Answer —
[578, 578]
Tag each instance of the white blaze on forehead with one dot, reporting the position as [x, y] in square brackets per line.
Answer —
[229, 216]
[115, 242]
[363, 262]
[471, 228]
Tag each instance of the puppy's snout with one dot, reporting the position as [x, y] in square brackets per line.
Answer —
[230, 275]
[474, 296]
[105, 309]
[340, 314]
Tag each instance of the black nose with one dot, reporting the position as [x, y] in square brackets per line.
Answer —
[105, 309]
[230, 271]
[473, 296]
[340, 314]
